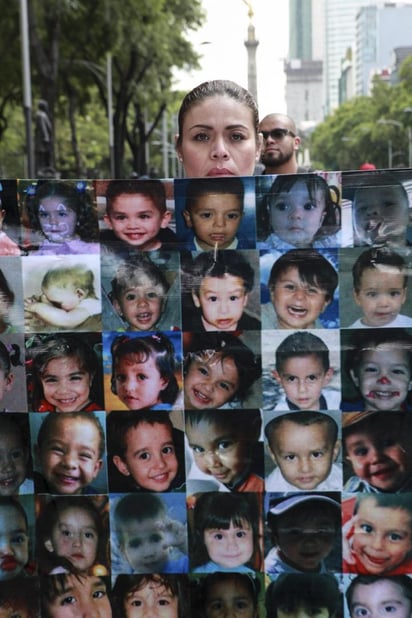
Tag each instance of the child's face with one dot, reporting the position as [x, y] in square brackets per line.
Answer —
[74, 537]
[14, 543]
[380, 598]
[150, 457]
[380, 296]
[229, 598]
[211, 382]
[82, 596]
[153, 600]
[380, 215]
[69, 456]
[297, 304]
[136, 220]
[383, 377]
[229, 548]
[6, 382]
[302, 610]
[141, 305]
[13, 462]
[382, 536]
[66, 386]
[138, 385]
[215, 218]
[377, 455]
[221, 301]
[304, 453]
[57, 221]
[302, 379]
[144, 545]
[220, 452]
[305, 539]
[295, 216]
[66, 298]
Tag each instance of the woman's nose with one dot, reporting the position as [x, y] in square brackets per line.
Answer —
[219, 150]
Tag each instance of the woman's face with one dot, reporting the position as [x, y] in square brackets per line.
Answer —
[218, 139]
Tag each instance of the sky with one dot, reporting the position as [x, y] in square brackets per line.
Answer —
[220, 42]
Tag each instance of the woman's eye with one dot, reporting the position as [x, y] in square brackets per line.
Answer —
[237, 137]
[201, 137]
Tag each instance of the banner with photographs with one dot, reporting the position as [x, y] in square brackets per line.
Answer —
[207, 394]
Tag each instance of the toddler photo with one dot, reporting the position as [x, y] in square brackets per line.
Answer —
[299, 210]
[137, 215]
[145, 451]
[378, 369]
[301, 370]
[298, 289]
[16, 465]
[59, 217]
[148, 533]
[215, 213]
[11, 296]
[12, 374]
[145, 370]
[153, 594]
[62, 294]
[378, 281]
[141, 293]
[220, 370]
[90, 593]
[304, 533]
[10, 233]
[304, 447]
[16, 526]
[64, 372]
[220, 292]
[224, 451]
[69, 453]
[228, 594]
[371, 595]
[377, 534]
[377, 452]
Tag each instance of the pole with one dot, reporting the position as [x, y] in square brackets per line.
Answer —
[109, 82]
[27, 99]
[410, 145]
[390, 154]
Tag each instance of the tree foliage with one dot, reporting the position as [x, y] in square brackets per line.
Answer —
[70, 40]
[355, 133]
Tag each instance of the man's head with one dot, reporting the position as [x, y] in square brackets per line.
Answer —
[280, 144]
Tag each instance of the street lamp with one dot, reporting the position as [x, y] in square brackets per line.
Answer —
[409, 110]
[394, 123]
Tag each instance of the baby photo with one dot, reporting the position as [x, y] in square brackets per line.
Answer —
[377, 452]
[221, 370]
[377, 533]
[299, 289]
[380, 207]
[303, 448]
[301, 210]
[64, 372]
[69, 453]
[376, 281]
[11, 296]
[224, 451]
[148, 533]
[10, 233]
[59, 217]
[12, 374]
[142, 292]
[215, 213]
[302, 533]
[301, 370]
[72, 533]
[62, 293]
[220, 291]
[376, 369]
[225, 532]
[145, 451]
[142, 371]
[135, 215]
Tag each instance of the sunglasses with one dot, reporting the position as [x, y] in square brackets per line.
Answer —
[277, 134]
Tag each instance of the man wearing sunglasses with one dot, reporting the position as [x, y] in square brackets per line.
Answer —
[280, 145]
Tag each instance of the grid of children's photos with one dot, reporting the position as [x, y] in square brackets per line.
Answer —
[207, 394]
